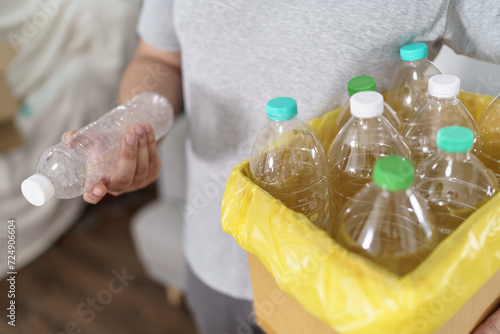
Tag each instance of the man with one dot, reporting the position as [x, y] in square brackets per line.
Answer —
[223, 60]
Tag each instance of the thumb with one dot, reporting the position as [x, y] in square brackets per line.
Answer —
[67, 134]
[491, 325]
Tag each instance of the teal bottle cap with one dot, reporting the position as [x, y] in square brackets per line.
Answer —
[360, 84]
[281, 108]
[455, 139]
[413, 51]
[393, 173]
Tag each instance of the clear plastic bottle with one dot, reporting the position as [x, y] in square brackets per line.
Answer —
[71, 167]
[289, 162]
[442, 108]
[453, 180]
[408, 89]
[489, 136]
[364, 139]
[360, 84]
[388, 221]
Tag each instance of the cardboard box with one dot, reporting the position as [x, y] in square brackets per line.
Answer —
[10, 137]
[452, 291]
[279, 313]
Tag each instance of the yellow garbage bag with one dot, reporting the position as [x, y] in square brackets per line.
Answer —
[346, 291]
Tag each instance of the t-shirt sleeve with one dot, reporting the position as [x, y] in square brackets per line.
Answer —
[156, 25]
[473, 29]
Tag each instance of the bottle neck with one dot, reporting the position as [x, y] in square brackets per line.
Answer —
[282, 126]
[277, 122]
[443, 100]
[397, 194]
[367, 122]
[415, 63]
[461, 156]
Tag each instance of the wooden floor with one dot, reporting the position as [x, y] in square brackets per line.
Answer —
[67, 289]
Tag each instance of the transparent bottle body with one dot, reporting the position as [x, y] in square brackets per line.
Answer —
[353, 154]
[93, 152]
[389, 114]
[421, 130]
[489, 136]
[408, 89]
[455, 185]
[393, 229]
[289, 163]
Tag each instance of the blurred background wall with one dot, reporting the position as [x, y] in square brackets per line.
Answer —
[67, 63]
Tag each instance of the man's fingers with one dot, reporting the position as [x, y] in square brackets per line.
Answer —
[124, 175]
[141, 172]
[138, 166]
[154, 159]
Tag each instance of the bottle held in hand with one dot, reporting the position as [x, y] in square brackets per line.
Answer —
[69, 168]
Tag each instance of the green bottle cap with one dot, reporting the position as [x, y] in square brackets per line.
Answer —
[414, 51]
[393, 173]
[360, 84]
[281, 108]
[455, 139]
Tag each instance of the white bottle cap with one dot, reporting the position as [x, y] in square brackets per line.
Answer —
[444, 86]
[37, 189]
[367, 104]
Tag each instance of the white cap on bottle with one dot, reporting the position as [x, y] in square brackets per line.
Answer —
[37, 189]
[367, 104]
[444, 86]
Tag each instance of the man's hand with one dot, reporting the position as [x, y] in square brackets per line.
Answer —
[491, 325]
[138, 167]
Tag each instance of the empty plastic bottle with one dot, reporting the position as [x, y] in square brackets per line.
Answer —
[489, 136]
[364, 139]
[453, 180]
[408, 89]
[71, 167]
[441, 109]
[360, 84]
[289, 162]
[388, 221]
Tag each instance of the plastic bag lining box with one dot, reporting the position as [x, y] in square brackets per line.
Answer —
[304, 282]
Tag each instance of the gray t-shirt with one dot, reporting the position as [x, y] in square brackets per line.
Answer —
[237, 55]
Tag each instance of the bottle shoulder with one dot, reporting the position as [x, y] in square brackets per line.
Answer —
[373, 135]
[289, 143]
[489, 120]
[435, 114]
[286, 133]
[388, 204]
[464, 170]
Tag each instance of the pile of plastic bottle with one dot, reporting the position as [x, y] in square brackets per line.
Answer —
[399, 176]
